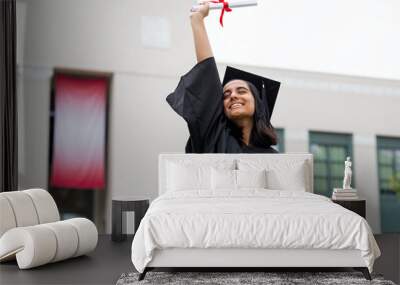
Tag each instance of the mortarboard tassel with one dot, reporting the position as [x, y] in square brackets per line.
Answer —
[265, 101]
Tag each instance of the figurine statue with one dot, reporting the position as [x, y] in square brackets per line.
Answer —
[347, 174]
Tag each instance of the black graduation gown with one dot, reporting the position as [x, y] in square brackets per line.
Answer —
[198, 98]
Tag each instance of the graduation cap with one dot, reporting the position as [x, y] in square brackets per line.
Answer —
[267, 88]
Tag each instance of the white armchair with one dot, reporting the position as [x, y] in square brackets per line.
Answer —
[31, 230]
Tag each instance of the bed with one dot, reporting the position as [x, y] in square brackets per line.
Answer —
[246, 211]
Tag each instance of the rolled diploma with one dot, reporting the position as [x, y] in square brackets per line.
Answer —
[232, 4]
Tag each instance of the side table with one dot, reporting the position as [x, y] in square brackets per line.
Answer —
[121, 204]
[357, 206]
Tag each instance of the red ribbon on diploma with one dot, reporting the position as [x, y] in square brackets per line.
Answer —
[225, 8]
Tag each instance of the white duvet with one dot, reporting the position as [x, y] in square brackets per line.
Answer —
[251, 218]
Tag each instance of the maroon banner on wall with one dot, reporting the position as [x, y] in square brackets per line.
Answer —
[79, 134]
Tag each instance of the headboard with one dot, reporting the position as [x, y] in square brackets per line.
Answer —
[163, 158]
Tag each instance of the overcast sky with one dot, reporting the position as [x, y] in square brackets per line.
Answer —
[353, 37]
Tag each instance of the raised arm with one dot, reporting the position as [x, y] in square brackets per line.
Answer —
[201, 42]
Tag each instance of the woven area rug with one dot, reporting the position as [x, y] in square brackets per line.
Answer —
[229, 278]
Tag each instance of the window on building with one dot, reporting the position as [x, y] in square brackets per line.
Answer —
[330, 151]
[281, 140]
[389, 182]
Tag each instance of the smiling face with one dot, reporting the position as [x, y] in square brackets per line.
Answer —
[238, 100]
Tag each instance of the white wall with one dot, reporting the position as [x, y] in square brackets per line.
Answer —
[106, 36]
[358, 37]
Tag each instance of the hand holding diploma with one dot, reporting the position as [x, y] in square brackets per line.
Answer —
[223, 5]
[201, 10]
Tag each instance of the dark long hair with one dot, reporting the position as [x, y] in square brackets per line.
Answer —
[263, 134]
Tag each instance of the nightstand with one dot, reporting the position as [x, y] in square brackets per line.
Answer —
[357, 206]
[136, 204]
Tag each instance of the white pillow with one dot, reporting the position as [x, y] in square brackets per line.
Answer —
[251, 178]
[237, 179]
[223, 179]
[291, 178]
[187, 177]
[281, 174]
[193, 174]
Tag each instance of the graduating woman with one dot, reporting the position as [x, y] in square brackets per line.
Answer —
[232, 117]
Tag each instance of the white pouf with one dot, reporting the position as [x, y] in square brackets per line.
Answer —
[46, 208]
[23, 208]
[31, 232]
[7, 220]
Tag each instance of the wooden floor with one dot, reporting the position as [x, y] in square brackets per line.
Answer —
[110, 260]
